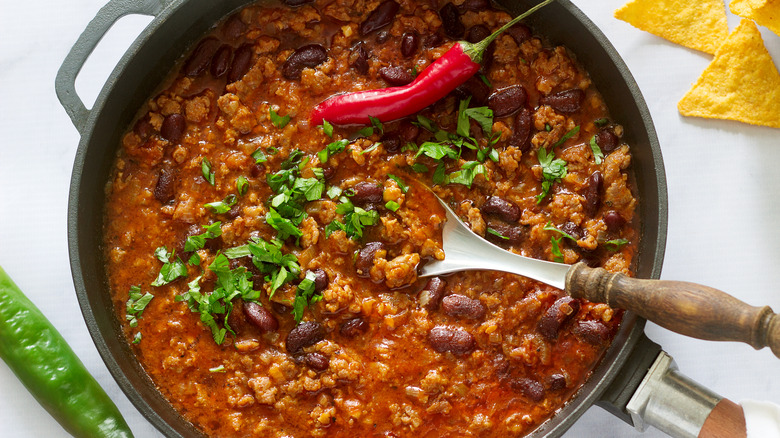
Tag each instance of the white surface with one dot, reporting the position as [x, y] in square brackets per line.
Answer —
[762, 419]
[722, 179]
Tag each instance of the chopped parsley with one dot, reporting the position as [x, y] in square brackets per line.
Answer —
[259, 156]
[370, 148]
[332, 149]
[171, 270]
[205, 169]
[377, 124]
[392, 206]
[556, 249]
[137, 338]
[223, 206]
[194, 243]
[553, 170]
[601, 122]
[615, 244]
[219, 369]
[496, 233]
[468, 171]
[401, 185]
[567, 136]
[419, 167]
[278, 121]
[355, 220]
[327, 128]
[597, 154]
[550, 227]
[305, 295]
[136, 303]
[215, 307]
[334, 192]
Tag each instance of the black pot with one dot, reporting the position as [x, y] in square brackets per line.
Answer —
[179, 23]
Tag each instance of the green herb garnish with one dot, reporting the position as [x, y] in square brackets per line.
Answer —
[327, 128]
[332, 149]
[567, 136]
[136, 303]
[553, 170]
[194, 243]
[259, 156]
[205, 169]
[615, 244]
[496, 233]
[219, 369]
[171, 270]
[355, 220]
[550, 227]
[392, 206]
[223, 206]
[278, 121]
[401, 185]
[242, 185]
[305, 295]
[597, 154]
[556, 249]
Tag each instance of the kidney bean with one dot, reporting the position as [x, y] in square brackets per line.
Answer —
[279, 307]
[353, 327]
[450, 21]
[396, 76]
[607, 140]
[164, 190]
[592, 332]
[365, 257]
[522, 133]
[242, 60]
[478, 90]
[382, 36]
[432, 293]
[317, 361]
[379, 17]
[592, 193]
[475, 5]
[446, 339]
[529, 388]
[220, 63]
[477, 33]
[200, 57]
[320, 279]
[507, 101]
[561, 311]
[358, 58]
[303, 335]
[520, 32]
[173, 127]
[408, 131]
[367, 192]
[514, 234]
[458, 306]
[568, 101]
[294, 3]
[260, 317]
[572, 230]
[409, 44]
[391, 141]
[501, 208]
[328, 172]
[556, 382]
[433, 40]
[310, 55]
[233, 27]
[501, 367]
[255, 170]
[614, 220]
[143, 128]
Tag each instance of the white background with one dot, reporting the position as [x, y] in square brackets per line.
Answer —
[723, 181]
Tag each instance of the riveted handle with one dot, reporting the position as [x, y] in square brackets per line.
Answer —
[686, 308]
[65, 83]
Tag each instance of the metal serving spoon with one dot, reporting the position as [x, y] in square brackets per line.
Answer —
[686, 308]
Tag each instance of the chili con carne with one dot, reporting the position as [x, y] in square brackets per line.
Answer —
[445, 74]
[39, 356]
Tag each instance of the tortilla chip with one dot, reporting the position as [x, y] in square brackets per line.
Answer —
[741, 83]
[699, 25]
[764, 12]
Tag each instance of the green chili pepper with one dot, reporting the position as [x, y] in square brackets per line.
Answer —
[39, 356]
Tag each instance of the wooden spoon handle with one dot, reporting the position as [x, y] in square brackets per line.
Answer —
[727, 420]
[686, 308]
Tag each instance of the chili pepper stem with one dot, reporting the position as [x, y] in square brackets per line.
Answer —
[476, 50]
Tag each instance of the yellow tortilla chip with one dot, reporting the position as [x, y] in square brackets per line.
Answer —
[741, 83]
[764, 12]
[699, 25]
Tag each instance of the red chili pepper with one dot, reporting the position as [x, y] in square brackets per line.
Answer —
[445, 74]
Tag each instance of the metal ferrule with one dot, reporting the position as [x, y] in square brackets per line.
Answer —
[670, 401]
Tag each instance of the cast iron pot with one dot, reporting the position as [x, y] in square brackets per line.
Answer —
[179, 23]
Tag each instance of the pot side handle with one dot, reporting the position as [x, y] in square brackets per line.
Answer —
[65, 82]
[686, 308]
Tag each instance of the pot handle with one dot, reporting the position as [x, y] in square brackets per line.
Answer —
[65, 83]
[680, 407]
